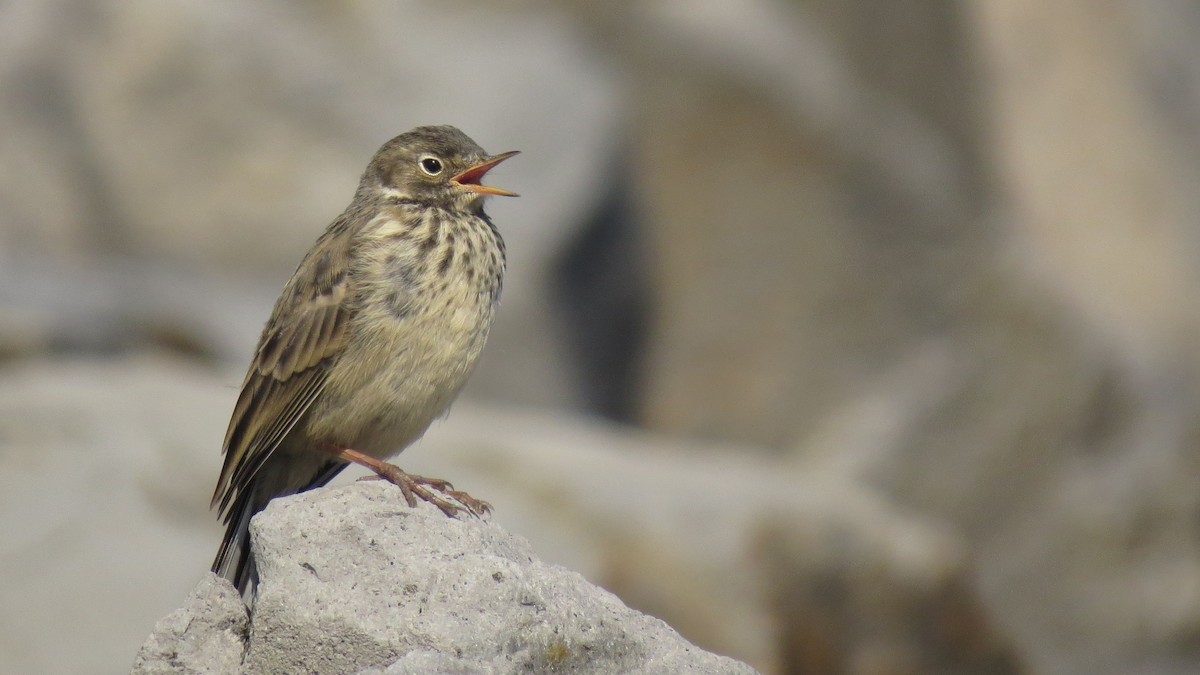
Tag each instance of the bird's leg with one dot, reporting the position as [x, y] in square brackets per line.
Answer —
[413, 486]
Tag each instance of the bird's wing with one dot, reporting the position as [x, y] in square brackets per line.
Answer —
[307, 330]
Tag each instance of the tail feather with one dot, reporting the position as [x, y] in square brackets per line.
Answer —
[235, 557]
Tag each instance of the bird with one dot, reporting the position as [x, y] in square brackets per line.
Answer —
[370, 340]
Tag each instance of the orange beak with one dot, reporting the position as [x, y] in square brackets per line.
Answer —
[469, 179]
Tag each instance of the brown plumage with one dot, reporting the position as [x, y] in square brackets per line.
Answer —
[371, 339]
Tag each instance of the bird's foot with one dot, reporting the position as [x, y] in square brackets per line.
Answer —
[415, 487]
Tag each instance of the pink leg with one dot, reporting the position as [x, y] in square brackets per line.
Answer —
[413, 487]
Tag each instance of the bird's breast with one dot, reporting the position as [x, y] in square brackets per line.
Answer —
[425, 300]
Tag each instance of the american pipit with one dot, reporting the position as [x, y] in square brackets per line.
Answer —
[372, 337]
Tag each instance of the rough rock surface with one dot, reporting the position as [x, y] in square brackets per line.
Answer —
[353, 579]
[206, 635]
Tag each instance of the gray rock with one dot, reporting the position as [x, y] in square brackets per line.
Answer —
[419, 662]
[882, 236]
[206, 635]
[787, 570]
[352, 578]
[733, 550]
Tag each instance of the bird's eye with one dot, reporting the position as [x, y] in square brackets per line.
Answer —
[431, 165]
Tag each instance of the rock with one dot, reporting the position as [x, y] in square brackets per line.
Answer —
[878, 236]
[949, 247]
[790, 571]
[113, 463]
[419, 662]
[206, 635]
[833, 228]
[351, 578]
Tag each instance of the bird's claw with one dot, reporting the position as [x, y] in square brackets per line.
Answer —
[415, 487]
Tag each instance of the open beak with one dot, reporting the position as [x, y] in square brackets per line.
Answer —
[469, 179]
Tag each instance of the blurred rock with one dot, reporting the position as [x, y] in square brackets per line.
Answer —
[946, 250]
[103, 306]
[1089, 105]
[1092, 111]
[808, 226]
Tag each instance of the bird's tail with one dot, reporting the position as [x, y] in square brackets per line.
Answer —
[235, 558]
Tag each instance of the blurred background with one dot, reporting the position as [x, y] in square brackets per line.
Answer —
[845, 336]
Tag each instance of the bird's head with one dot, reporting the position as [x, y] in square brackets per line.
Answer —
[440, 166]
